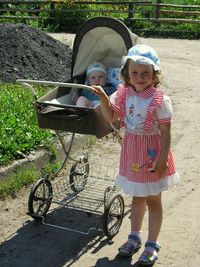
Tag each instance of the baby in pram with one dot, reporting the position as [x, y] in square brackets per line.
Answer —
[96, 75]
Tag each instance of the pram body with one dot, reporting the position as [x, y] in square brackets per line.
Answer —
[101, 39]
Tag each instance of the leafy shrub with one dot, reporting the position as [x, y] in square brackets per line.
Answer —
[19, 132]
[67, 16]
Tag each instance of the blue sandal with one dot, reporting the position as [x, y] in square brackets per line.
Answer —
[150, 254]
[130, 247]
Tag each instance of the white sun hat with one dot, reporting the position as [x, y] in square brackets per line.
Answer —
[143, 54]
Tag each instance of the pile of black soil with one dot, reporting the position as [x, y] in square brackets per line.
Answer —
[28, 53]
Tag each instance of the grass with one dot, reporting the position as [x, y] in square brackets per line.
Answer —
[19, 132]
[10, 186]
[23, 178]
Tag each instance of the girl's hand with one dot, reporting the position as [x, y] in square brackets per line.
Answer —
[161, 167]
[105, 104]
[98, 90]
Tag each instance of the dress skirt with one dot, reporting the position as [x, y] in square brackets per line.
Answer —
[136, 176]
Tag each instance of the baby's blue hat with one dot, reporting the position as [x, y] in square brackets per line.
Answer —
[96, 66]
[143, 54]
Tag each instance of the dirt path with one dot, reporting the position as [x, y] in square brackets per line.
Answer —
[25, 244]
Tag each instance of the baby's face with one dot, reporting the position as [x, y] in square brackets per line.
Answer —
[97, 78]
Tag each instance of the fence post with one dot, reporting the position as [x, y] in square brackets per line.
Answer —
[130, 7]
[157, 12]
[52, 14]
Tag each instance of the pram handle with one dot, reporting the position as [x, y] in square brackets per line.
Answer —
[71, 85]
[29, 83]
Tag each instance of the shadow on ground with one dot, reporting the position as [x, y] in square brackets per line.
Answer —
[36, 244]
[40, 245]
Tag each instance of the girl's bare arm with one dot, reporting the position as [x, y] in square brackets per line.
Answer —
[161, 165]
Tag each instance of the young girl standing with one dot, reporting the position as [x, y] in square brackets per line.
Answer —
[146, 163]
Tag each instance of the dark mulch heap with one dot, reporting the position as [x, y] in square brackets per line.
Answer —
[28, 53]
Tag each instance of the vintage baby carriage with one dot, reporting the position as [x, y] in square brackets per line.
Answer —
[101, 39]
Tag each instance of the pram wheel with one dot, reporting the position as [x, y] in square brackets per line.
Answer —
[113, 215]
[40, 198]
[79, 173]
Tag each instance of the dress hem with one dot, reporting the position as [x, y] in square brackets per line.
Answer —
[146, 189]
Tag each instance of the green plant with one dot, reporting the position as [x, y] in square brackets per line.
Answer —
[14, 183]
[68, 15]
[19, 132]
[23, 178]
[50, 168]
[63, 16]
[91, 140]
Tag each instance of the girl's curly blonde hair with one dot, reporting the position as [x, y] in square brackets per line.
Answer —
[157, 76]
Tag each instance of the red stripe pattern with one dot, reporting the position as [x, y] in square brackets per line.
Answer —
[141, 151]
[150, 118]
[134, 158]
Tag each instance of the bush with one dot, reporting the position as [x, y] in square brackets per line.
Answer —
[19, 132]
[67, 17]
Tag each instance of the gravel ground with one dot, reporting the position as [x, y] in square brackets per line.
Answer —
[28, 53]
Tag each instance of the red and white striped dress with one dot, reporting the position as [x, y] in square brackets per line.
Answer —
[142, 113]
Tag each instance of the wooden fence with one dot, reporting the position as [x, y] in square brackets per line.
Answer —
[156, 12]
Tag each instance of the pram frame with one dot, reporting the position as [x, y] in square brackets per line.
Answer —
[111, 197]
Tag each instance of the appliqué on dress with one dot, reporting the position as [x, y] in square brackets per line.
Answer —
[150, 163]
[131, 110]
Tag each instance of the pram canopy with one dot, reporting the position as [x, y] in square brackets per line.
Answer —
[101, 39]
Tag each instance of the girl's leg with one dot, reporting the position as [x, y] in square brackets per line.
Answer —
[134, 239]
[150, 254]
[137, 213]
[155, 216]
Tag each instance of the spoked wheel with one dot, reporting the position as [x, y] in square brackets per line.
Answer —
[113, 215]
[40, 198]
[79, 174]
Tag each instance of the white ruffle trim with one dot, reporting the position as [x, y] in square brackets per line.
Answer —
[146, 189]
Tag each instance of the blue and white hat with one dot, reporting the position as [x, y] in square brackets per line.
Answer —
[96, 66]
[143, 54]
